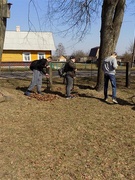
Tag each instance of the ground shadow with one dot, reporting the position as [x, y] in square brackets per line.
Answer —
[48, 91]
[120, 101]
[93, 97]
[85, 87]
[23, 89]
[58, 92]
[133, 108]
[124, 102]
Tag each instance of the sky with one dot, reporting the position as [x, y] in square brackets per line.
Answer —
[27, 19]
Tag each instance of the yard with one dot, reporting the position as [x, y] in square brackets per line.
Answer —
[58, 139]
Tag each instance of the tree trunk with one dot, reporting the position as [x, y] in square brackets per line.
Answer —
[133, 56]
[112, 17]
[2, 27]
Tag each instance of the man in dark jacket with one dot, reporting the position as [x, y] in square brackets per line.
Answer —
[70, 69]
[39, 68]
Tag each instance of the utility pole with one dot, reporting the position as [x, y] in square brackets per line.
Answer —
[133, 56]
[4, 14]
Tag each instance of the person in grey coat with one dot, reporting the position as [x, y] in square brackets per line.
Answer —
[39, 67]
[109, 67]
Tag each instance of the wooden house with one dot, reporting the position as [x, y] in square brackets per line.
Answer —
[62, 59]
[94, 53]
[27, 46]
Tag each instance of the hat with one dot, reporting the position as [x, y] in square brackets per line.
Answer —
[72, 57]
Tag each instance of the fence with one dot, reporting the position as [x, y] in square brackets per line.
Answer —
[54, 65]
[92, 66]
[9, 65]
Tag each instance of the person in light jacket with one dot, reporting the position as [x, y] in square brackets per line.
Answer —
[109, 67]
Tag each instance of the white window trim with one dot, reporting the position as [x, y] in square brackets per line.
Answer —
[41, 53]
[24, 53]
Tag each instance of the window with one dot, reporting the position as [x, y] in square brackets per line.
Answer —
[41, 55]
[26, 56]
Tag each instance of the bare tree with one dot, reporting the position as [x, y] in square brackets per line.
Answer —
[133, 54]
[129, 55]
[74, 15]
[60, 50]
[4, 14]
[79, 54]
[112, 17]
[77, 16]
[2, 26]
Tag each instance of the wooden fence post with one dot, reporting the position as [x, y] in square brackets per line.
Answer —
[128, 74]
[49, 81]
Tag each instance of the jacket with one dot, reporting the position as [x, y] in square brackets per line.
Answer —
[70, 68]
[109, 65]
[39, 65]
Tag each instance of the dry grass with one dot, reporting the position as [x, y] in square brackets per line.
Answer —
[79, 139]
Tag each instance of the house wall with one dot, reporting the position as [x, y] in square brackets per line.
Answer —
[17, 56]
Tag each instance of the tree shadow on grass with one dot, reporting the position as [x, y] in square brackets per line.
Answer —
[23, 89]
[120, 101]
[85, 87]
[133, 108]
[46, 90]
[59, 93]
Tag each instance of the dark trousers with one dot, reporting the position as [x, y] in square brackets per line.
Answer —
[112, 79]
[69, 84]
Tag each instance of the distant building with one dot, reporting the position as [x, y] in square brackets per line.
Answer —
[94, 53]
[83, 59]
[20, 46]
[62, 59]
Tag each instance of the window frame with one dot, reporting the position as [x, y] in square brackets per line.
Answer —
[41, 53]
[28, 56]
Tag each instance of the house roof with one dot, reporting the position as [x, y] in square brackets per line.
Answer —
[94, 52]
[28, 41]
[62, 58]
